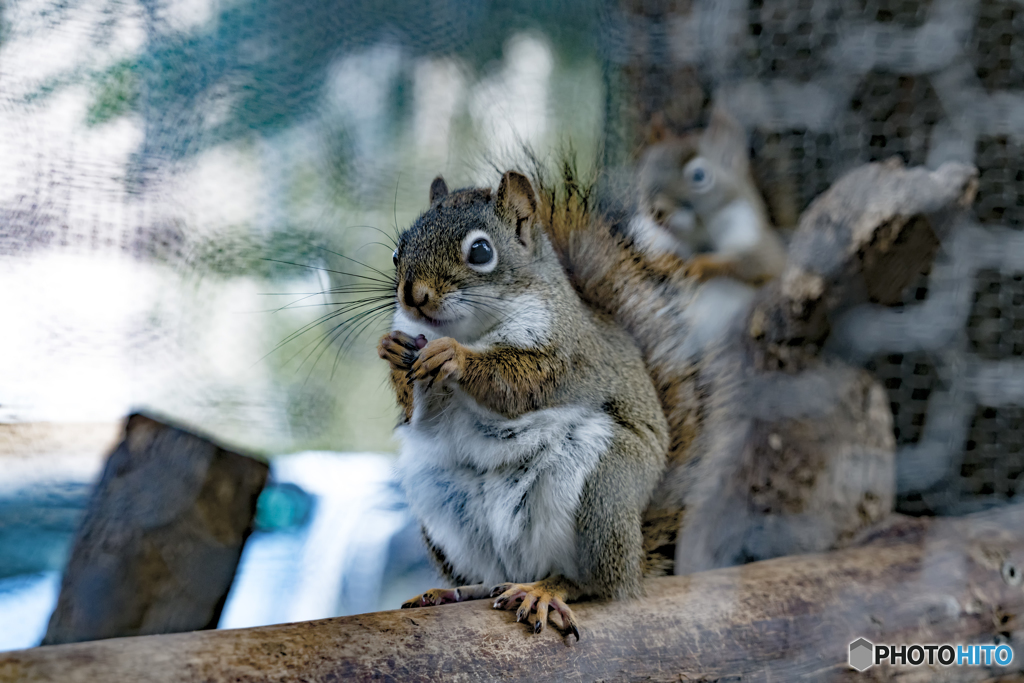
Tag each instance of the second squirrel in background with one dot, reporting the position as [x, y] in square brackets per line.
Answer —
[697, 198]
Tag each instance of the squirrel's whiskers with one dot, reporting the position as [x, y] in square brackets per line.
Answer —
[348, 318]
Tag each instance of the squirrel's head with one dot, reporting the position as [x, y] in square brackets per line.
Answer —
[467, 255]
[684, 181]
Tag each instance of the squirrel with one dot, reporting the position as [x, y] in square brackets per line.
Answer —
[698, 198]
[532, 437]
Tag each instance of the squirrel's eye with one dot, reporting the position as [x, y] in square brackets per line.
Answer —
[700, 176]
[394, 257]
[480, 253]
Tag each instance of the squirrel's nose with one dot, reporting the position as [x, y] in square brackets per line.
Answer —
[415, 294]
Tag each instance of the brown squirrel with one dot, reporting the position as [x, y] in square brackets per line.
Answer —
[698, 198]
[532, 436]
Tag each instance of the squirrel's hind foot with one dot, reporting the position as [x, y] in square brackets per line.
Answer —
[445, 596]
[538, 602]
[434, 596]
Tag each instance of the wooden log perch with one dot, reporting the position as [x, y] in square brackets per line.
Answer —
[914, 581]
[160, 541]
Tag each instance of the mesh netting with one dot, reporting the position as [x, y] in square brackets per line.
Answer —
[823, 85]
[179, 179]
[199, 138]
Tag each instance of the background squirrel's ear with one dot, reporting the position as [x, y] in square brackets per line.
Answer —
[438, 189]
[657, 129]
[516, 204]
[725, 141]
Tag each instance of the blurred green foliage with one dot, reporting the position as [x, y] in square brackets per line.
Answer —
[275, 53]
[116, 93]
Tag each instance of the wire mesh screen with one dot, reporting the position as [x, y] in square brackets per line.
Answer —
[200, 138]
[181, 181]
[823, 85]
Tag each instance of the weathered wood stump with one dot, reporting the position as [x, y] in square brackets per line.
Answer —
[914, 581]
[160, 541]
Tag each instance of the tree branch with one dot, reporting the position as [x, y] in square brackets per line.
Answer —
[913, 581]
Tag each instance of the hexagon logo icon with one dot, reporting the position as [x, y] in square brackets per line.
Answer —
[861, 654]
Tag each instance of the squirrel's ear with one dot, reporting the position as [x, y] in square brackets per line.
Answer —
[516, 204]
[725, 140]
[657, 129]
[438, 190]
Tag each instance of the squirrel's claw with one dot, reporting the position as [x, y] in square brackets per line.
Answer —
[575, 628]
[526, 607]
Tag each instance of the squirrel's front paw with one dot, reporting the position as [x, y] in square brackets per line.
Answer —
[703, 267]
[439, 360]
[400, 349]
[538, 602]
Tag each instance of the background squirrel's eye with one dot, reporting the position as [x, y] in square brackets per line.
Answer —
[699, 175]
[480, 253]
[394, 257]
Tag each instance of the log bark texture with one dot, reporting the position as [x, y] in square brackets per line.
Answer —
[160, 541]
[788, 619]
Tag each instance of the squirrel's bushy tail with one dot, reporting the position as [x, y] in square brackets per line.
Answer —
[587, 246]
[648, 297]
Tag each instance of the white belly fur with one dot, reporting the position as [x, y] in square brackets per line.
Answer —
[498, 496]
[736, 229]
